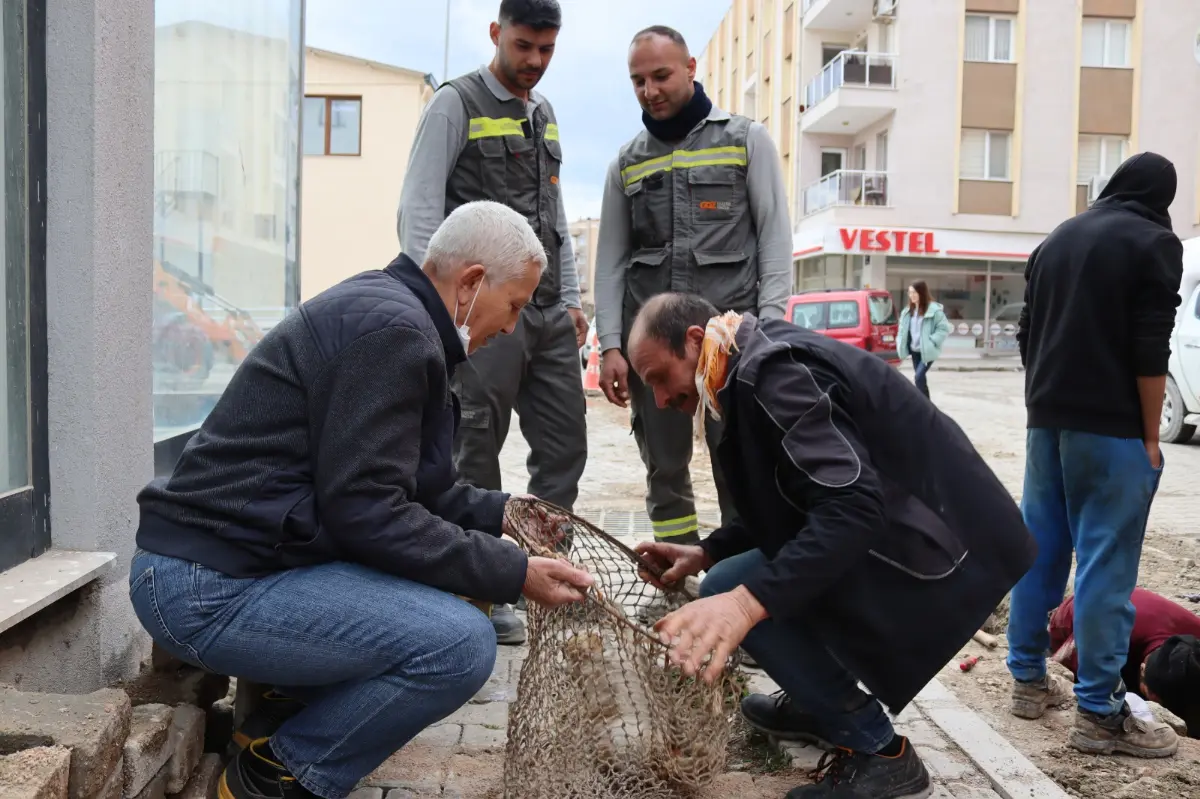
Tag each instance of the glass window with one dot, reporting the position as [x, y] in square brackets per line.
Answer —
[843, 313]
[989, 38]
[882, 311]
[314, 125]
[826, 315]
[226, 180]
[1105, 43]
[332, 125]
[1099, 156]
[984, 155]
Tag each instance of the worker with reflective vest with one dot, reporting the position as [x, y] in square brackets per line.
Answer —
[695, 202]
[487, 136]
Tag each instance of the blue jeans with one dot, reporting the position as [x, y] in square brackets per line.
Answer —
[1092, 494]
[376, 658]
[795, 658]
[920, 369]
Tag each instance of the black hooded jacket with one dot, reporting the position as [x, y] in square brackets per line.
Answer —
[1100, 299]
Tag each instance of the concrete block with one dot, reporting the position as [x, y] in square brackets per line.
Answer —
[493, 714]
[162, 660]
[187, 744]
[477, 738]
[114, 788]
[148, 747]
[40, 773]
[366, 793]
[93, 726]
[204, 781]
[415, 792]
[945, 765]
[184, 685]
[441, 735]
[156, 788]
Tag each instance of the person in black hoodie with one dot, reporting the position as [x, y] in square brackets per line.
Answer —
[1100, 300]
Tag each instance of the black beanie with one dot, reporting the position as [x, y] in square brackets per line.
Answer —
[1173, 675]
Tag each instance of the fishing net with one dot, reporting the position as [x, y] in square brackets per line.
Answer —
[600, 711]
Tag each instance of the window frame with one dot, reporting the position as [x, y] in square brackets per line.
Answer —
[1104, 58]
[25, 512]
[330, 99]
[991, 53]
[987, 155]
[1103, 141]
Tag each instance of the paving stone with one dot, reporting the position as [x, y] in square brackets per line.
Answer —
[366, 793]
[495, 690]
[156, 788]
[960, 791]
[93, 726]
[493, 714]
[114, 788]
[187, 745]
[441, 735]
[43, 772]
[477, 738]
[946, 765]
[923, 735]
[803, 755]
[148, 747]
[203, 784]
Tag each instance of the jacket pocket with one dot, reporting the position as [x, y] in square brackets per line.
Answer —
[652, 217]
[493, 167]
[917, 541]
[649, 274]
[727, 278]
[554, 151]
[714, 193]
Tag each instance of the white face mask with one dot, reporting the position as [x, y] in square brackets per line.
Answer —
[464, 332]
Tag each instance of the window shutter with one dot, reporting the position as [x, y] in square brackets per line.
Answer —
[1089, 158]
[1093, 43]
[971, 156]
[976, 46]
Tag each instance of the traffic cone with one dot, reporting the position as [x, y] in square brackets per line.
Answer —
[591, 377]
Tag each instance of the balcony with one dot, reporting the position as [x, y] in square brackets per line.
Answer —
[853, 92]
[850, 16]
[846, 187]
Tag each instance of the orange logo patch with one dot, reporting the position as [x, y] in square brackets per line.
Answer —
[708, 205]
[554, 179]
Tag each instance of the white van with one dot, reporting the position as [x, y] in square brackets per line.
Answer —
[1181, 406]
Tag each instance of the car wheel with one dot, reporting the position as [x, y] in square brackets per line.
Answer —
[1171, 428]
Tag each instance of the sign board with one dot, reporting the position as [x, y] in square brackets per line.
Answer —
[866, 240]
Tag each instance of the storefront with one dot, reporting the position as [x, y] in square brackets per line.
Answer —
[978, 276]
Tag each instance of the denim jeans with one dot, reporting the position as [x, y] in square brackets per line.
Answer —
[1092, 494]
[795, 658]
[376, 658]
[920, 369]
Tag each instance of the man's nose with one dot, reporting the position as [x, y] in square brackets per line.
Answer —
[661, 398]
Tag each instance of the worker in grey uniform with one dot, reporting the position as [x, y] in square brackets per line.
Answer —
[695, 202]
[488, 136]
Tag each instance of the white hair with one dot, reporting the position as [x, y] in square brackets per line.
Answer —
[487, 233]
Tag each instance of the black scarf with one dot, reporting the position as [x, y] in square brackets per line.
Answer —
[679, 126]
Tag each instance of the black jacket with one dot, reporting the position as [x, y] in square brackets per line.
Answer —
[887, 533]
[1100, 299]
[333, 441]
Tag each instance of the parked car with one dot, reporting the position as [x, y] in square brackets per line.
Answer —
[1181, 405]
[863, 318]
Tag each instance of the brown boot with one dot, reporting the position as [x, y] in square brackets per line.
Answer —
[1030, 700]
[1124, 733]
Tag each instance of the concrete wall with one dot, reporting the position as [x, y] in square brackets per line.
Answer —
[100, 58]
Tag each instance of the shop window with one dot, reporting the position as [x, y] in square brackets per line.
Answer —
[984, 155]
[1106, 43]
[990, 38]
[24, 447]
[226, 184]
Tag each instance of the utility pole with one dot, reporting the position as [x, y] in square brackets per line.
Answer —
[446, 47]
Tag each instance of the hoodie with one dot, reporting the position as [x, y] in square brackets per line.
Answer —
[1100, 299]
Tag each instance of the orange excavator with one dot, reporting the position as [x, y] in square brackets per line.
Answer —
[193, 328]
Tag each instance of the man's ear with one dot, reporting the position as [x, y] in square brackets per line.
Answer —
[494, 30]
[695, 336]
[471, 278]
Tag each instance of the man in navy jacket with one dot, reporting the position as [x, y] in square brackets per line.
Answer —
[314, 535]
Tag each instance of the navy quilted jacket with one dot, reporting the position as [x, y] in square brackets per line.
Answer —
[333, 442]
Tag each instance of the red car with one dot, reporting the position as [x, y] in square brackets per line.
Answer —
[863, 318]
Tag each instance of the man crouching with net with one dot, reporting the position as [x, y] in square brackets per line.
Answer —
[862, 553]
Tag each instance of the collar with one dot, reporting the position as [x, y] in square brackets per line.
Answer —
[405, 270]
[503, 94]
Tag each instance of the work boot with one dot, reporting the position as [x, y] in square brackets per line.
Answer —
[843, 774]
[255, 774]
[510, 630]
[264, 720]
[775, 715]
[1123, 733]
[1030, 700]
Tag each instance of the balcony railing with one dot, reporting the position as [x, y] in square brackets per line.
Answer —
[852, 68]
[846, 187]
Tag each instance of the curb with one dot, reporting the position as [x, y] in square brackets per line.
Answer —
[1011, 774]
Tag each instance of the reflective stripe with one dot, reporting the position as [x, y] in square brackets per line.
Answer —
[486, 128]
[552, 132]
[670, 528]
[684, 159]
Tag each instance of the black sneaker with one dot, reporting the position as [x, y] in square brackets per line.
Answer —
[843, 774]
[264, 720]
[255, 774]
[509, 629]
[775, 715]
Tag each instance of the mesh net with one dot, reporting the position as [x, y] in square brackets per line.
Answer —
[600, 711]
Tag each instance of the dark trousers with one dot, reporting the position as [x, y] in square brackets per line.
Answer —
[534, 371]
[1090, 494]
[920, 369]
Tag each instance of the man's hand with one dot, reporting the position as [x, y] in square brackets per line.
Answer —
[709, 630]
[675, 561]
[614, 377]
[1154, 452]
[549, 529]
[581, 325]
[551, 582]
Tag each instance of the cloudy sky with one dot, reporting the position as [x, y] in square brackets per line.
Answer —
[587, 82]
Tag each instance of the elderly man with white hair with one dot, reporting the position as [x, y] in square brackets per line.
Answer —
[314, 536]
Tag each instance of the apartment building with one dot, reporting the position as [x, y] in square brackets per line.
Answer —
[943, 139]
[359, 121]
[584, 236]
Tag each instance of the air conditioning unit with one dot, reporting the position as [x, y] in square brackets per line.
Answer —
[1095, 187]
[885, 10]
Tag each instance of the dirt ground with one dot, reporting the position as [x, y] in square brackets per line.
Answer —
[1168, 568]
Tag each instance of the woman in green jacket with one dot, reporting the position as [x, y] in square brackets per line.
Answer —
[923, 330]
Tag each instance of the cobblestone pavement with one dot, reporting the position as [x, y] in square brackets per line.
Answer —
[463, 757]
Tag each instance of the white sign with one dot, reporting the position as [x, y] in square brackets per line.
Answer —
[1010, 329]
[977, 329]
[995, 328]
[962, 328]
